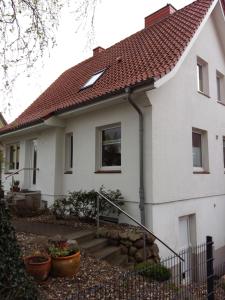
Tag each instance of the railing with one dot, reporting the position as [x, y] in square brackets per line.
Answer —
[17, 172]
[135, 221]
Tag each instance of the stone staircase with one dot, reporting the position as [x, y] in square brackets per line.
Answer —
[99, 248]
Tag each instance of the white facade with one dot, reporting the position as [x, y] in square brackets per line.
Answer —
[171, 111]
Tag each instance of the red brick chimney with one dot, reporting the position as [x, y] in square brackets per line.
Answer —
[97, 50]
[159, 15]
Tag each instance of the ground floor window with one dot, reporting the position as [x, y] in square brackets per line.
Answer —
[109, 147]
[13, 157]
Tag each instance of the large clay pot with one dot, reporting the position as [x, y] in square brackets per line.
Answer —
[38, 266]
[66, 266]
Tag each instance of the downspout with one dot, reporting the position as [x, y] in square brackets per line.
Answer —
[141, 155]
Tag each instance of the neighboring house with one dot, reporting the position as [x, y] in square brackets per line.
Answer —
[84, 130]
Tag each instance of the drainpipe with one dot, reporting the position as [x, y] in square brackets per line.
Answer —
[141, 155]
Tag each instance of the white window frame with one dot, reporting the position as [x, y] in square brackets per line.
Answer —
[69, 153]
[16, 157]
[99, 131]
[204, 151]
[205, 77]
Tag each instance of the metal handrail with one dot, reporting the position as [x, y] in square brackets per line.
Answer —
[134, 220]
[20, 170]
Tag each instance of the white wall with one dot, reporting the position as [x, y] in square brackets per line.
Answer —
[177, 107]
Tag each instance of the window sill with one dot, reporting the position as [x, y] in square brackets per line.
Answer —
[108, 172]
[203, 94]
[68, 172]
[201, 172]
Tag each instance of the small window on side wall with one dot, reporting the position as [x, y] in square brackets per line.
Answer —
[200, 151]
[202, 77]
[224, 152]
[220, 85]
[109, 147]
[69, 152]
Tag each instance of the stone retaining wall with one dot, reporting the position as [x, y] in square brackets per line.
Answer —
[131, 243]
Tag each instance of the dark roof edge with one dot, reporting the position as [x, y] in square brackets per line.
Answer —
[76, 106]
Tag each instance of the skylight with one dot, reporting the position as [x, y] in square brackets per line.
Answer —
[93, 79]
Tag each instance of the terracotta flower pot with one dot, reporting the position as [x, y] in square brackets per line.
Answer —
[38, 266]
[66, 266]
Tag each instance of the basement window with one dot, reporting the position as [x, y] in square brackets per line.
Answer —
[93, 79]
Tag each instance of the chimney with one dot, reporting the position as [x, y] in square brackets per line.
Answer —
[159, 15]
[97, 50]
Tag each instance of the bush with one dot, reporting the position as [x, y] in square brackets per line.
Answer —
[156, 272]
[84, 204]
[14, 281]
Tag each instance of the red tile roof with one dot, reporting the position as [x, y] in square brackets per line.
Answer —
[149, 53]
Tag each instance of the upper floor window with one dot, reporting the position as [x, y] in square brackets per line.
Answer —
[220, 85]
[12, 157]
[224, 152]
[109, 147]
[200, 151]
[202, 76]
[69, 152]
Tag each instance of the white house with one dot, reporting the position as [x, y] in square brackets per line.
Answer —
[85, 130]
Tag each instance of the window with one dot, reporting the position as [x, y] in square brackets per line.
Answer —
[200, 151]
[13, 155]
[224, 152]
[93, 79]
[220, 85]
[202, 76]
[109, 147]
[69, 152]
[197, 149]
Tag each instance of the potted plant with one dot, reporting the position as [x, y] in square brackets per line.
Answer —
[15, 186]
[38, 266]
[65, 256]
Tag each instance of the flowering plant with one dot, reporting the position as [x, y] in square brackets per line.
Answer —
[63, 248]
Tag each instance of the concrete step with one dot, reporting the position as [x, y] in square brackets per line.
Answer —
[106, 252]
[119, 260]
[94, 245]
[82, 236]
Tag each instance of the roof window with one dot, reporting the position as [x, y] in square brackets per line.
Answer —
[93, 79]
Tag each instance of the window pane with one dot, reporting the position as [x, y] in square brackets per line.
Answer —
[197, 149]
[200, 77]
[218, 88]
[11, 157]
[111, 135]
[71, 151]
[111, 155]
[224, 153]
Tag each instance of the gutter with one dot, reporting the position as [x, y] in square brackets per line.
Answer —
[129, 92]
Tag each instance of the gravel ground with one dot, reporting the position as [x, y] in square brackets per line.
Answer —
[92, 271]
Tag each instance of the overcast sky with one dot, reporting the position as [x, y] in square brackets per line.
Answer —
[114, 20]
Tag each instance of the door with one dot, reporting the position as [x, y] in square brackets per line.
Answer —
[31, 164]
[185, 248]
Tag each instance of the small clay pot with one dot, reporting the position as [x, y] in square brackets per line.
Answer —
[66, 266]
[38, 266]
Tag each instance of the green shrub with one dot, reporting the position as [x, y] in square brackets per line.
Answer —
[84, 204]
[156, 272]
[14, 281]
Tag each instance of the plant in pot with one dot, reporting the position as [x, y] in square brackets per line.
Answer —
[15, 186]
[65, 256]
[38, 265]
